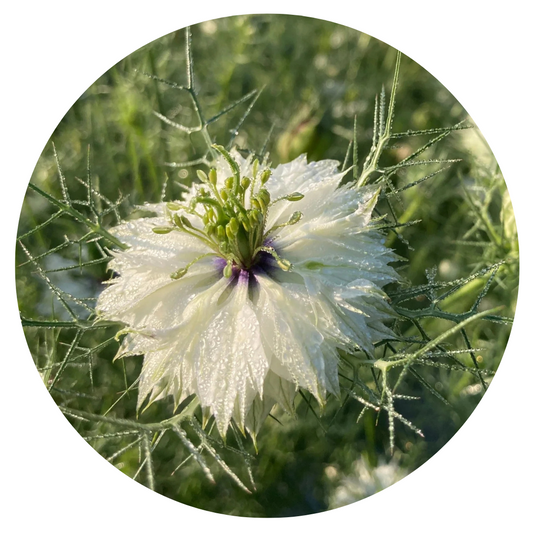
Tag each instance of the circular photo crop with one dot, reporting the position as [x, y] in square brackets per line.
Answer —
[267, 266]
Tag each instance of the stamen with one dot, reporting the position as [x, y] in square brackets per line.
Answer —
[282, 263]
[265, 175]
[202, 175]
[182, 271]
[263, 198]
[233, 165]
[295, 218]
[174, 206]
[213, 177]
[255, 168]
[162, 230]
[293, 197]
[228, 269]
[232, 224]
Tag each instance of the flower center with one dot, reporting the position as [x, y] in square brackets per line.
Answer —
[233, 218]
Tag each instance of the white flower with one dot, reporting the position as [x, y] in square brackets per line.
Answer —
[235, 296]
[364, 480]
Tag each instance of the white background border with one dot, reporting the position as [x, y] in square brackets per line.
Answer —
[480, 479]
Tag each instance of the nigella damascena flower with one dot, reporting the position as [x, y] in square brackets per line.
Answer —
[235, 296]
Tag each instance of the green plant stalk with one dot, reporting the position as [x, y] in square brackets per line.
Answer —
[383, 365]
[169, 423]
[95, 228]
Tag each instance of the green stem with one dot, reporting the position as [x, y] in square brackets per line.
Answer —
[385, 365]
[125, 423]
[67, 208]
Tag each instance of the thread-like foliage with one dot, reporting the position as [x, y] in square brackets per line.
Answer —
[434, 339]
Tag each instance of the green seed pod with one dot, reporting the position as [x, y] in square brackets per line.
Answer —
[255, 167]
[229, 183]
[224, 194]
[245, 183]
[172, 206]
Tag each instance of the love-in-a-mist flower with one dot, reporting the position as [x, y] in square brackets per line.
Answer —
[245, 290]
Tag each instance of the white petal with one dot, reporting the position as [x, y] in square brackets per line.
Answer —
[232, 364]
[316, 181]
[289, 333]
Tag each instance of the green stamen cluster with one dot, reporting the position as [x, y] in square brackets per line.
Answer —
[234, 216]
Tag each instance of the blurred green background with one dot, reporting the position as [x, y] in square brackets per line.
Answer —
[315, 76]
